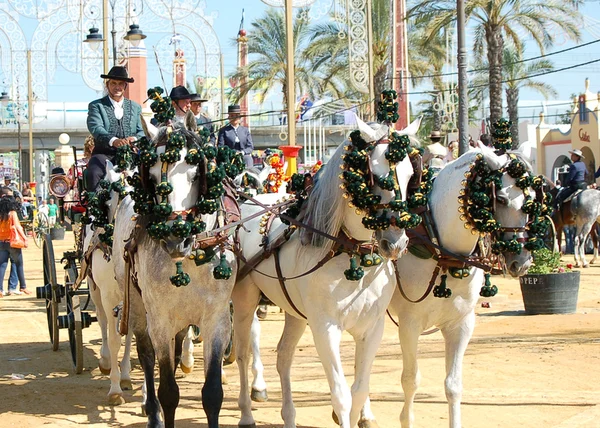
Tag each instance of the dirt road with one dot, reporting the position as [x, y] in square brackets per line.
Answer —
[525, 371]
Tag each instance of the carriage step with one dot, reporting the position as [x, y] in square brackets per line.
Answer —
[45, 292]
[68, 321]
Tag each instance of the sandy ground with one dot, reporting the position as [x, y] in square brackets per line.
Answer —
[525, 371]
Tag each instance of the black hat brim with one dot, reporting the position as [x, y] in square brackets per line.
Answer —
[122, 79]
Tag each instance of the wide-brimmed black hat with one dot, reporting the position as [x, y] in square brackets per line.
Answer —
[196, 98]
[180, 93]
[118, 73]
[234, 109]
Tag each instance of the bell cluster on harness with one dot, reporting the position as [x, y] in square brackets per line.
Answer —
[151, 199]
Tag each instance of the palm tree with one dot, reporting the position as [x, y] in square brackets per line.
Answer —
[268, 52]
[496, 20]
[520, 75]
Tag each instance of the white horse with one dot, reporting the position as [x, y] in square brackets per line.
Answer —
[106, 295]
[454, 316]
[330, 303]
[160, 311]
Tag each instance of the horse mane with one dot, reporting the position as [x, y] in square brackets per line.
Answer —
[324, 209]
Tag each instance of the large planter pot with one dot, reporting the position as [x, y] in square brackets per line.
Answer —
[553, 293]
[57, 234]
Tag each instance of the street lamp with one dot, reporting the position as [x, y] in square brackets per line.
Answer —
[135, 35]
[94, 38]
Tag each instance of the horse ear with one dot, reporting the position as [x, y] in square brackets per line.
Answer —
[190, 121]
[492, 159]
[149, 130]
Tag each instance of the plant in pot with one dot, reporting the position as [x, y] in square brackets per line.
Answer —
[549, 287]
[57, 232]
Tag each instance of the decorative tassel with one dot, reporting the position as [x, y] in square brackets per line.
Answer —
[441, 290]
[366, 260]
[223, 271]
[377, 259]
[201, 257]
[488, 290]
[180, 278]
[355, 273]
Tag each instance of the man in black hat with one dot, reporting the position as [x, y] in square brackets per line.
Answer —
[236, 136]
[180, 97]
[113, 121]
[575, 179]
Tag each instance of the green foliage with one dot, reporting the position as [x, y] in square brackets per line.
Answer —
[546, 261]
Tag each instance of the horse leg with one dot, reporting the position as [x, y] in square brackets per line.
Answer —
[580, 238]
[126, 364]
[184, 350]
[366, 350]
[104, 361]
[594, 234]
[150, 404]
[245, 297]
[115, 394]
[367, 418]
[168, 390]
[216, 330]
[259, 386]
[411, 377]
[457, 339]
[292, 332]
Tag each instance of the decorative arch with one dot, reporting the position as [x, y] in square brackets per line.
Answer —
[13, 61]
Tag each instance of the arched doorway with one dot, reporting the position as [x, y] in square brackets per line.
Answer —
[560, 168]
[590, 163]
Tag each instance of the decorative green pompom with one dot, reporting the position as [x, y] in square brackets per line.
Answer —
[164, 209]
[164, 188]
[223, 271]
[180, 228]
[180, 278]
[441, 290]
[201, 257]
[207, 206]
[488, 290]
[366, 260]
[355, 273]
[159, 230]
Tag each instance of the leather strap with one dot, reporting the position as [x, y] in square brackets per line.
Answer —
[436, 272]
[282, 284]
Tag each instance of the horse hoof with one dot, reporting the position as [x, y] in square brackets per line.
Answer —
[259, 396]
[126, 384]
[115, 400]
[144, 410]
[334, 417]
[186, 369]
[586, 265]
[252, 425]
[366, 423]
[103, 370]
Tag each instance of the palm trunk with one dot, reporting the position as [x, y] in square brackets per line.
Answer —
[512, 100]
[495, 45]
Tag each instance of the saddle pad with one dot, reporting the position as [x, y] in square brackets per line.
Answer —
[577, 192]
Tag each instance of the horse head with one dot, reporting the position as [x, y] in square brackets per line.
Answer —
[363, 200]
[512, 207]
[184, 184]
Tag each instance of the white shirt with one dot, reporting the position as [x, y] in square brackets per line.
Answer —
[118, 106]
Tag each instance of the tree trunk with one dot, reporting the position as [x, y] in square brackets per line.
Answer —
[512, 100]
[495, 45]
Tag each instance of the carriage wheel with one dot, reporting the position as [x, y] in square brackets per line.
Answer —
[74, 314]
[550, 241]
[75, 331]
[52, 290]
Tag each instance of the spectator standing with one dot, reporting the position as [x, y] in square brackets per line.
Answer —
[8, 219]
[52, 212]
[236, 136]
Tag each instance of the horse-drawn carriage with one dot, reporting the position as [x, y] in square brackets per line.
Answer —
[67, 307]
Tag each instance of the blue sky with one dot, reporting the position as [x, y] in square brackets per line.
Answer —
[70, 87]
